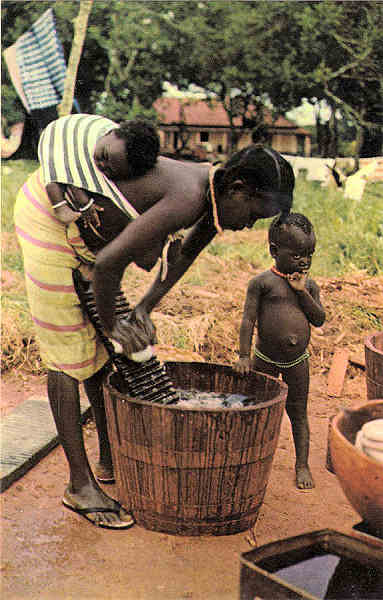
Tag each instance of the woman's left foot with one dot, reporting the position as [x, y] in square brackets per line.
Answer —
[110, 516]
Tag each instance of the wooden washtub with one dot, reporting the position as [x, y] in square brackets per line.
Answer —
[196, 471]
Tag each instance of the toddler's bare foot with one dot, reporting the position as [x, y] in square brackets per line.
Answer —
[304, 479]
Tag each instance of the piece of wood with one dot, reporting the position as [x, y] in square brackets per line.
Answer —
[340, 338]
[358, 359]
[337, 372]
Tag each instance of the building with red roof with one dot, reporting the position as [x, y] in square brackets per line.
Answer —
[202, 128]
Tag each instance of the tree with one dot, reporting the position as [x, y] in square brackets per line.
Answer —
[344, 66]
[250, 55]
[138, 54]
[218, 54]
[244, 53]
[81, 21]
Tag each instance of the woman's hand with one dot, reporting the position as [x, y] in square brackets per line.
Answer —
[145, 323]
[134, 333]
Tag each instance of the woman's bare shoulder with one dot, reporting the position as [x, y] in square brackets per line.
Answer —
[177, 173]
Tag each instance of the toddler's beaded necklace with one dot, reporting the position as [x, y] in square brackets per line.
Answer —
[274, 270]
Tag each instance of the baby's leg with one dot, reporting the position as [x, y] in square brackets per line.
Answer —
[264, 367]
[297, 379]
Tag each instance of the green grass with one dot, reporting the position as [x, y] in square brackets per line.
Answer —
[13, 175]
[349, 234]
[349, 238]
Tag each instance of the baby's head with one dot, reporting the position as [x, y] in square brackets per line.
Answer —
[292, 243]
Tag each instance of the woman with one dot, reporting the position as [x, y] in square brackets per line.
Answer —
[106, 199]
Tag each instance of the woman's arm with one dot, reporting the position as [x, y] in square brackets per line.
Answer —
[197, 239]
[142, 242]
[56, 194]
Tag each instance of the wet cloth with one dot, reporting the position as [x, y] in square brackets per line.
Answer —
[52, 251]
[282, 365]
[14, 73]
[65, 153]
[369, 439]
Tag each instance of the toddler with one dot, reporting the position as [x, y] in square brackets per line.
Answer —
[284, 302]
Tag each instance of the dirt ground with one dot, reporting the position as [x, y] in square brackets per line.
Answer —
[50, 553]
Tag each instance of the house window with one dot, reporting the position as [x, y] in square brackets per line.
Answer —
[220, 148]
[167, 138]
[204, 136]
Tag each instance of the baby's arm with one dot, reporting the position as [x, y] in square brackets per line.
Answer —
[309, 298]
[249, 319]
[70, 202]
[56, 194]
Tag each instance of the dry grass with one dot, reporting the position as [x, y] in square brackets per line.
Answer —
[199, 319]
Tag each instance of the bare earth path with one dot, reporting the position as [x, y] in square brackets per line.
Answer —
[49, 553]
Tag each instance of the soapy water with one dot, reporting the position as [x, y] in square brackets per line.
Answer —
[333, 577]
[198, 399]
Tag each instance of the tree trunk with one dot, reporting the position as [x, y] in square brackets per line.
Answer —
[359, 143]
[319, 133]
[80, 25]
[333, 134]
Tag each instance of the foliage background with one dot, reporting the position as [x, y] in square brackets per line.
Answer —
[247, 53]
[200, 317]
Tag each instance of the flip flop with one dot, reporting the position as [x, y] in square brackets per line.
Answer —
[106, 479]
[102, 477]
[84, 512]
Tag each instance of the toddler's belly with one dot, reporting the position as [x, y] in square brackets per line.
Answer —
[283, 332]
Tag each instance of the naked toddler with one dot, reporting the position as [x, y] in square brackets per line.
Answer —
[283, 302]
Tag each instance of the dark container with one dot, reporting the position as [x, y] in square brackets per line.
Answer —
[364, 531]
[316, 565]
[196, 471]
[373, 349]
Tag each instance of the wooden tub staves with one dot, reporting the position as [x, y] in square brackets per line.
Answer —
[373, 348]
[196, 471]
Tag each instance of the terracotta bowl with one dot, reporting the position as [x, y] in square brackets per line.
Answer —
[360, 476]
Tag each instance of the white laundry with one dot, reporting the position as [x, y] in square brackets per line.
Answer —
[369, 439]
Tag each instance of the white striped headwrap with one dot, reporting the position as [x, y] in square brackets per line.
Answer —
[65, 153]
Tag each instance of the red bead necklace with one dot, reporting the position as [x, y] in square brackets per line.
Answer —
[274, 270]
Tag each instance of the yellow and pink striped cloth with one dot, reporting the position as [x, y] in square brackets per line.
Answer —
[51, 252]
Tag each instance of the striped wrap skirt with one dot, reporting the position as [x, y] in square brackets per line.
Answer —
[51, 252]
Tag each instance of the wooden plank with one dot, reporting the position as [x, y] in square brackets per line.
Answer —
[28, 433]
[358, 359]
[337, 372]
